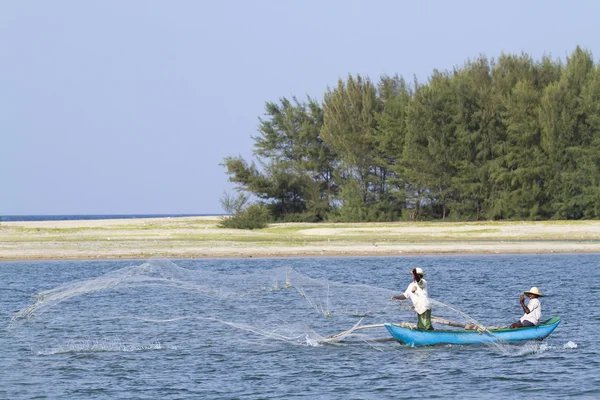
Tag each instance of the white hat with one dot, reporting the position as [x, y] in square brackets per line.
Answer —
[418, 271]
[534, 290]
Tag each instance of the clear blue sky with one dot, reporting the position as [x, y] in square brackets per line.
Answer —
[125, 106]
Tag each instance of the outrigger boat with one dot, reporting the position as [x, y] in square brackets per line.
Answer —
[417, 337]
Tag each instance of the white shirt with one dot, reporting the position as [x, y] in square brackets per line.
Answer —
[419, 298]
[535, 312]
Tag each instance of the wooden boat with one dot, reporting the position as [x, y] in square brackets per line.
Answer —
[417, 337]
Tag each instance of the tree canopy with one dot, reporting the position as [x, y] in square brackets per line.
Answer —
[508, 138]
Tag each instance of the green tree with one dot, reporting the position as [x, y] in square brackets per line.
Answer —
[296, 167]
[511, 138]
[478, 131]
[427, 162]
[519, 170]
[565, 136]
[349, 128]
[390, 131]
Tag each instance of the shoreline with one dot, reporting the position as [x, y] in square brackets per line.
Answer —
[200, 237]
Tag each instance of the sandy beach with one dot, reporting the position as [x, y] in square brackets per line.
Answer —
[200, 237]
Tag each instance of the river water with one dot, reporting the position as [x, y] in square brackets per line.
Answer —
[152, 341]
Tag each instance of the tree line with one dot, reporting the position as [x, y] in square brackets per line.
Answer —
[511, 138]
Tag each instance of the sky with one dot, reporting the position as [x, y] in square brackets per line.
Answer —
[129, 106]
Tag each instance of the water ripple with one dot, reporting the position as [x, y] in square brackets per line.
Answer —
[177, 352]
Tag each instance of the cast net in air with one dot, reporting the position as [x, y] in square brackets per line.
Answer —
[157, 303]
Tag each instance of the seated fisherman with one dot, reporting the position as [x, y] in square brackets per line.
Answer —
[533, 310]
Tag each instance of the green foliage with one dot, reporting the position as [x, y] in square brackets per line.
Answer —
[233, 205]
[254, 216]
[511, 138]
[243, 215]
[296, 174]
[431, 132]
[299, 217]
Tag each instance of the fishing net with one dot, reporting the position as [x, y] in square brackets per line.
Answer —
[149, 305]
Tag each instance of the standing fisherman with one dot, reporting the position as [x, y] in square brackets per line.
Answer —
[417, 293]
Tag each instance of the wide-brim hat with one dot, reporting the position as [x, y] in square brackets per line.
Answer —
[418, 271]
[534, 290]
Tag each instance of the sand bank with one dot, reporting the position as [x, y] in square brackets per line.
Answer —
[200, 237]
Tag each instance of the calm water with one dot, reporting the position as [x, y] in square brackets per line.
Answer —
[197, 358]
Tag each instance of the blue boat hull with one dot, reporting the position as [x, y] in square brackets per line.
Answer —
[415, 337]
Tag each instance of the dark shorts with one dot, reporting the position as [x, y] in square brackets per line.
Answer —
[526, 323]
